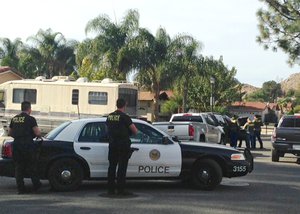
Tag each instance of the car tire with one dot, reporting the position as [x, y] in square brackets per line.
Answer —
[65, 175]
[206, 174]
[202, 138]
[275, 155]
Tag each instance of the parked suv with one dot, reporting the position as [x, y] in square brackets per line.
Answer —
[286, 137]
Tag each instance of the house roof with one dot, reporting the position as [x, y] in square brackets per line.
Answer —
[255, 105]
[148, 96]
[6, 69]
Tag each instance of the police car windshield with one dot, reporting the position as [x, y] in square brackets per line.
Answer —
[52, 134]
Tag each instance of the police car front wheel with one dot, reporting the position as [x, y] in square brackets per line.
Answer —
[65, 175]
[207, 174]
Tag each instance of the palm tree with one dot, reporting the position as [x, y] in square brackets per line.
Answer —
[57, 54]
[186, 62]
[9, 52]
[107, 46]
[150, 57]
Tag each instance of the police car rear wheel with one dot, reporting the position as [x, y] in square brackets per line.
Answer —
[207, 174]
[65, 175]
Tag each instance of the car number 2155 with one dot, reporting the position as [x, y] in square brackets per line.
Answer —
[239, 168]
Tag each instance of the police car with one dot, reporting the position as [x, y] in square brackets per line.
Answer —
[77, 150]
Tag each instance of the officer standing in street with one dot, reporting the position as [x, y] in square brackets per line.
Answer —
[23, 128]
[120, 127]
[233, 131]
[250, 138]
[257, 129]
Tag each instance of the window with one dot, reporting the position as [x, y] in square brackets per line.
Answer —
[297, 124]
[1, 96]
[98, 98]
[94, 132]
[20, 95]
[130, 95]
[188, 118]
[287, 122]
[146, 135]
[209, 120]
[75, 96]
[52, 134]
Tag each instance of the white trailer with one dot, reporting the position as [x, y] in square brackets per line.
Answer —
[59, 99]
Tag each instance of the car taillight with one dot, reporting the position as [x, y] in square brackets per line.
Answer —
[191, 131]
[273, 137]
[7, 150]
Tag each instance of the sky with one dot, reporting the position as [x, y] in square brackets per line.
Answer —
[224, 28]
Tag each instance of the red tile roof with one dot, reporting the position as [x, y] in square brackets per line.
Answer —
[255, 105]
[4, 68]
[7, 69]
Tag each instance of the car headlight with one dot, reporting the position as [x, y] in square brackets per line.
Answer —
[238, 156]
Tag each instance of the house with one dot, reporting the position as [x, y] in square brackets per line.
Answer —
[270, 112]
[146, 104]
[8, 74]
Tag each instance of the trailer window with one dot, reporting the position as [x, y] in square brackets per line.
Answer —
[75, 96]
[2, 99]
[1, 96]
[20, 95]
[98, 98]
[130, 95]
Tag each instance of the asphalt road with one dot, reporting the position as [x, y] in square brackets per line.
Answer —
[270, 188]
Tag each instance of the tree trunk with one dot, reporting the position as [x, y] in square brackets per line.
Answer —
[184, 99]
[156, 90]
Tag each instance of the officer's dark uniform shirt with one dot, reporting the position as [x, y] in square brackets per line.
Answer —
[249, 126]
[257, 124]
[21, 126]
[118, 127]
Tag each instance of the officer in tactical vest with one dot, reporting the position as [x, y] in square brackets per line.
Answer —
[23, 128]
[120, 127]
[250, 137]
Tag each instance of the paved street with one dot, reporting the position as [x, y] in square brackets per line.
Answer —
[270, 188]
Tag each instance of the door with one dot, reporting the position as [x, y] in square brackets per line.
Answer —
[154, 158]
[213, 131]
[92, 145]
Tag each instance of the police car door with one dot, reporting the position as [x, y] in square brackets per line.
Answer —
[92, 145]
[154, 158]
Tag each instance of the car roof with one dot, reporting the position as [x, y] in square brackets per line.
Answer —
[101, 119]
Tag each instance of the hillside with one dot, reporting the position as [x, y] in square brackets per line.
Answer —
[249, 88]
[292, 82]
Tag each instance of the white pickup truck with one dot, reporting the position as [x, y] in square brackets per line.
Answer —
[192, 126]
[186, 131]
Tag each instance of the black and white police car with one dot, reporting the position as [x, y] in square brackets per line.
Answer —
[77, 150]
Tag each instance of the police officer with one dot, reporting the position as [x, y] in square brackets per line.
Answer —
[120, 127]
[250, 138]
[23, 128]
[233, 131]
[257, 129]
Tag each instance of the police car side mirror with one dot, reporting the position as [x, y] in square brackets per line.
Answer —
[275, 125]
[165, 140]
